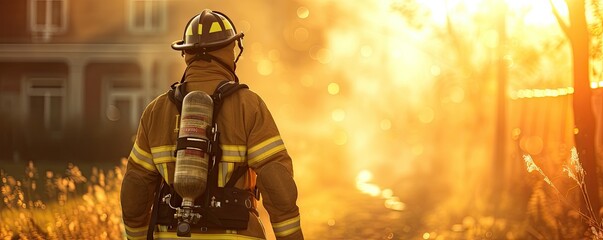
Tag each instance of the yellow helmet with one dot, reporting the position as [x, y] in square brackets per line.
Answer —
[207, 31]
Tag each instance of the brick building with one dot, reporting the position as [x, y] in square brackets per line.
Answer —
[76, 75]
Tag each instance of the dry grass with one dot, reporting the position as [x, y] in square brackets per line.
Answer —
[540, 205]
[67, 207]
[73, 206]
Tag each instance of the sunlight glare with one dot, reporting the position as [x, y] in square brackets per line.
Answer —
[539, 12]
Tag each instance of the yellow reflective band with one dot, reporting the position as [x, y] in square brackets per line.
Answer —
[224, 173]
[189, 31]
[200, 29]
[234, 153]
[136, 233]
[142, 152]
[137, 238]
[266, 154]
[194, 236]
[286, 222]
[142, 158]
[138, 229]
[233, 158]
[163, 170]
[265, 149]
[141, 162]
[215, 27]
[163, 148]
[163, 154]
[286, 228]
[238, 148]
[287, 232]
[227, 24]
[264, 143]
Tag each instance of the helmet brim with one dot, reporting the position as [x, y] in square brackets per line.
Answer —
[181, 45]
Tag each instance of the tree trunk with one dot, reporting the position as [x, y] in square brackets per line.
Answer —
[582, 99]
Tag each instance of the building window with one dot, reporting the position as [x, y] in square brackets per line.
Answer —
[147, 16]
[47, 17]
[45, 103]
[123, 103]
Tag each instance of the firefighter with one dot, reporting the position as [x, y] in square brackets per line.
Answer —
[249, 138]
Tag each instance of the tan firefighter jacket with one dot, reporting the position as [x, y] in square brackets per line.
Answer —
[248, 135]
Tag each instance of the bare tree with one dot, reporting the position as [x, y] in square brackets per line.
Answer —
[576, 30]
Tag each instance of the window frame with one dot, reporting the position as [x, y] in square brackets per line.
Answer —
[148, 26]
[48, 27]
[112, 93]
[30, 90]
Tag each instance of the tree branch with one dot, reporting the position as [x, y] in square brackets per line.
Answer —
[562, 24]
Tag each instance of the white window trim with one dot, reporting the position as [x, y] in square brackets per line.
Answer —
[30, 91]
[48, 28]
[148, 28]
[110, 95]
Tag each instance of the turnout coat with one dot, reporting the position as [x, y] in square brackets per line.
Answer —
[249, 136]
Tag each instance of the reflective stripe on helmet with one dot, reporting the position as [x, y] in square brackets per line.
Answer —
[215, 27]
[207, 30]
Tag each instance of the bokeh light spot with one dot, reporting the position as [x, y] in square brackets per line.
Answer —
[340, 138]
[366, 51]
[457, 94]
[303, 12]
[331, 222]
[113, 113]
[385, 124]
[244, 26]
[435, 70]
[387, 193]
[338, 115]
[324, 56]
[333, 88]
[426, 115]
[265, 67]
[301, 34]
[515, 133]
[533, 145]
[274, 55]
[417, 150]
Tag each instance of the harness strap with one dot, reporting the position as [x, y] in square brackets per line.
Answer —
[151, 227]
[192, 143]
[236, 174]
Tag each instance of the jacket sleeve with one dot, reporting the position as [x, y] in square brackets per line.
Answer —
[267, 156]
[139, 186]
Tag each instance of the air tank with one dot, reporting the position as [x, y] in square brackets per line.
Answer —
[190, 176]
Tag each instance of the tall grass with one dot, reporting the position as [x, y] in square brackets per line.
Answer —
[576, 173]
[67, 206]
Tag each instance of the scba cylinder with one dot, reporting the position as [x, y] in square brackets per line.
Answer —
[190, 176]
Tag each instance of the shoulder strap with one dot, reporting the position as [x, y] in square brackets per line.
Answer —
[224, 89]
[175, 94]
